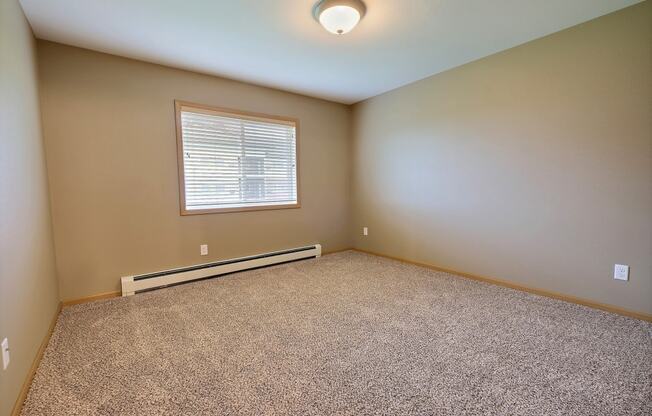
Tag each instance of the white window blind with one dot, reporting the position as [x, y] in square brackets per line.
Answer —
[233, 161]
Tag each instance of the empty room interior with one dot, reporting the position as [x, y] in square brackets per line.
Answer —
[326, 207]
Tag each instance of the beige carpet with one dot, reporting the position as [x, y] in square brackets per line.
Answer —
[347, 334]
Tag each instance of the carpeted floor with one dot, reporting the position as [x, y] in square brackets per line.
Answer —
[347, 334]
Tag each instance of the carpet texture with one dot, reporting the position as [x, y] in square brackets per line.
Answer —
[347, 334]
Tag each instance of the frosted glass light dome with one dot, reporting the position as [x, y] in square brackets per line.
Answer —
[339, 16]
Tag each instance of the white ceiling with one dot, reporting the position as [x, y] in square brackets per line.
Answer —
[277, 43]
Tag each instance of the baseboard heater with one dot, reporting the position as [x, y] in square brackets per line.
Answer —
[134, 284]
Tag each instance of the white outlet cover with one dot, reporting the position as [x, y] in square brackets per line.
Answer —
[365, 231]
[5, 353]
[203, 249]
[621, 272]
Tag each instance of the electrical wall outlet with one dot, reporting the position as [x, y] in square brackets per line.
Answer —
[621, 272]
[5, 353]
[203, 249]
[365, 231]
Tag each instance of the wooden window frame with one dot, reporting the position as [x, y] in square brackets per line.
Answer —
[228, 112]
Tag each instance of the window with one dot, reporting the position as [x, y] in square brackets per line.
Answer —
[234, 161]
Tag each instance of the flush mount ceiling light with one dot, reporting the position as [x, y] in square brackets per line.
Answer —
[339, 16]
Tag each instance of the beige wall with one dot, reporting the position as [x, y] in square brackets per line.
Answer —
[28, 288]
[532, 165]
[111, 153]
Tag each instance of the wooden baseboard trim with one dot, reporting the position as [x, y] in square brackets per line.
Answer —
[22, 395]
[107, 295]
[325, 253]
[505, 283]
